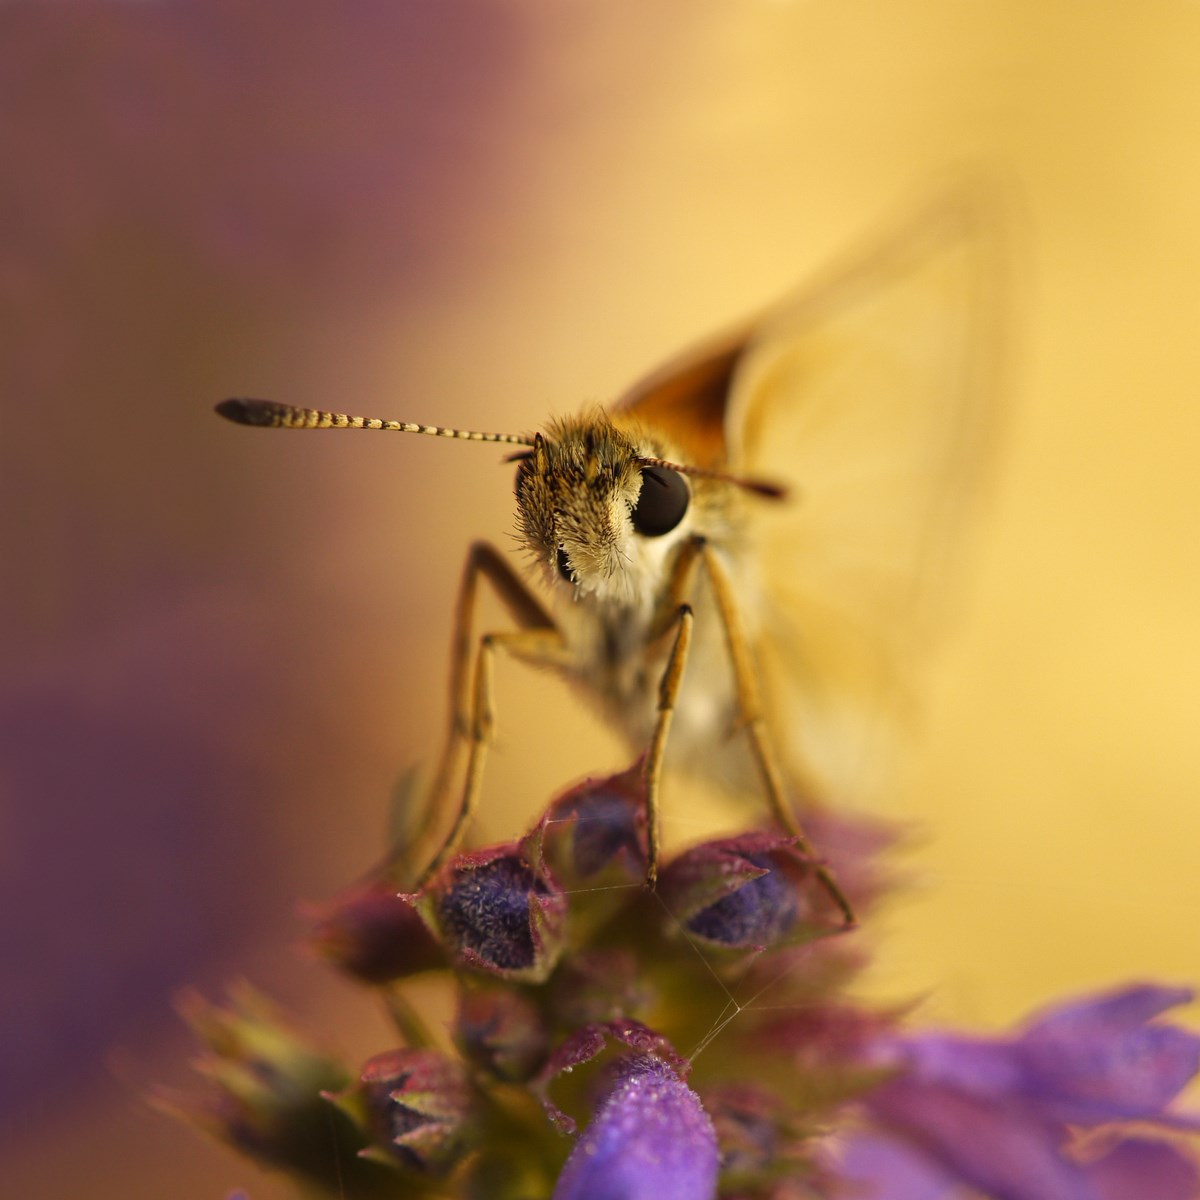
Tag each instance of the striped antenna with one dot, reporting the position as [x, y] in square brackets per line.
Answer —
[290, 416]
[760, 487]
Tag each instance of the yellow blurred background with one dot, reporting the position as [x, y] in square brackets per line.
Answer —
[220, 647]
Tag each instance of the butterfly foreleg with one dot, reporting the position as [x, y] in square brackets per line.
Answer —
[674, 613]
[668, 694]
[472, 713]
[752, 719]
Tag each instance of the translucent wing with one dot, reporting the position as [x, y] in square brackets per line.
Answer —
[870, 395]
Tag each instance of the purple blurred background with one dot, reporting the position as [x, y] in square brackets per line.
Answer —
[199, 199]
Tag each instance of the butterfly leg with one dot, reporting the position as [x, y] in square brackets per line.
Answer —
[471, 709]
[542, 646]
[486, 562]
[668, 693]
[753, 721]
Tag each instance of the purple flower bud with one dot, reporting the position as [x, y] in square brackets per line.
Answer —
[499, 914]
[586, 1042]
[500, 1031]
[375, 935]
[650, 1139]
[747, 1119]
[414, 1106]
[593, 985]
[743, 892]
[266, 1082]
[606, 822]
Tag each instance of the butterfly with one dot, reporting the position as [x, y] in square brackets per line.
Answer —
[735, 559]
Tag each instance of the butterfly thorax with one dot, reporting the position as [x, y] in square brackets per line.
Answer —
[581, 515]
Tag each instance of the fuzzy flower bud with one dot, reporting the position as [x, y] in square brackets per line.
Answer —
[742, 893]
[499, 911]
[603, 822]
[500, 1031]
[266, 1086]
[800, 1090]
[414, 1107]
[374, 935]
[650, 1139]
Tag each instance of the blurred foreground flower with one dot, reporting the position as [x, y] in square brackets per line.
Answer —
[267, 1083]
[700, 1037]
[1075, 1107]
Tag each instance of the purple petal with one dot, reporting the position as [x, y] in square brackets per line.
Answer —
[879, 1168]
[1139, 1168]
[998, 1114]
[1099, 1060]
[649, 1140]
[1111, 1014]
[999, 1146]
[984, 1068]
[1085, 1063]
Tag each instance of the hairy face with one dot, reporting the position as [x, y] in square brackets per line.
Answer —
[593, 514]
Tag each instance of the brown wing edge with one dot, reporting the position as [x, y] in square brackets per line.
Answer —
[688, 399]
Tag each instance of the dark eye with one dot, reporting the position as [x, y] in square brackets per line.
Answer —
[564, 566]
[662, 502]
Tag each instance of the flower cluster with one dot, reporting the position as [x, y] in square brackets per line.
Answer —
[611, 1042]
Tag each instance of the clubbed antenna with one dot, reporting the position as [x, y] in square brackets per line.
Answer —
[290, 416]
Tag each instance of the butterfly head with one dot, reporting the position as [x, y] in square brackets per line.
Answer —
[598, 511]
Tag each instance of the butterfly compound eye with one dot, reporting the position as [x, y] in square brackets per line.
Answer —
[662, 502]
